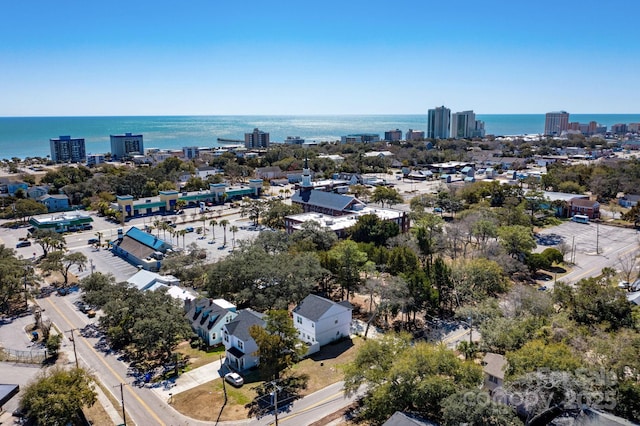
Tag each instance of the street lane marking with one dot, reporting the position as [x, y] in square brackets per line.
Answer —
[309, 408]
[115, 374]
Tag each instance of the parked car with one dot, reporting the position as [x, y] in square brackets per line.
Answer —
[189, 229]
[93, 241]
[91, 313]
[23, 244]
[234, 379]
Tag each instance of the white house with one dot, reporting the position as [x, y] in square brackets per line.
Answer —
[322, 321]
[238, 343]
[207, 317]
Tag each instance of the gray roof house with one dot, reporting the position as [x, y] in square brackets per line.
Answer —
[238, 343]
[321, 321]
[207, 316]
[325, 202]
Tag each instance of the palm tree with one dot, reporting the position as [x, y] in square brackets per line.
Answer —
[233, 230]
[203, 218]
[224, 223]
[213, 223]
[156, 225]
[182, 233]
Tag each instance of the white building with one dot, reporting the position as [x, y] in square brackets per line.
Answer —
[239, 346]
[322, 321]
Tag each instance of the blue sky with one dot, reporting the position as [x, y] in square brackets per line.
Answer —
[210, 57]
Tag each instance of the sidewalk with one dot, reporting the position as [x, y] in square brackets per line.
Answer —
[191, 379]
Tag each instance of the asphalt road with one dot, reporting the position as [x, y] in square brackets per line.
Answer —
[145, 407]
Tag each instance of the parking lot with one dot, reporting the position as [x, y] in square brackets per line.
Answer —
[590, 246]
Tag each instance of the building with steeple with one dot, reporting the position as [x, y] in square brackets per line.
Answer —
[332, 210]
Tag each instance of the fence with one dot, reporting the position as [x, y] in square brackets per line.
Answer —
[35, 356]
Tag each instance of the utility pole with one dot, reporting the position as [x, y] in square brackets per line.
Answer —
[470, 331]
[124, 414]
[275, 400]
[597, 238]
[73, 340]
[224, 386]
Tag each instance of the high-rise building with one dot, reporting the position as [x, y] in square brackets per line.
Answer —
[619, 128]
[479, 131]
[125, 145]
[463, 124]
[439, 120]
[67, 150]
[257, 139]
[393, 135]
[634, 127]
[556, 122]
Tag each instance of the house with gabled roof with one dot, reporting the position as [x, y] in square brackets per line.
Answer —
[239, 346]
[208, 316]
[55, 202]
[322, 321]
[141, 249]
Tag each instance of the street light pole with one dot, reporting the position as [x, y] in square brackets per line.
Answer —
[597, 238]
[73, 340]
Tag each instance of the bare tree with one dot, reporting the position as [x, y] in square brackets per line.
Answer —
[628, 266]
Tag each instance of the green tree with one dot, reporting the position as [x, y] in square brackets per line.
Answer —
[384, 194]
[346, 263]
[600, 303]
[370, 228]
[253, 209]
[400, 375]
[49, 240]
[224, 223]
[58, 261]
[538, 354]
[428, 232]
[474, 407]
[53, 344]
[313, 237]
[278, 344]
[56, 396]
[25, 208]
[517, 240]
[14, 274]
[276, 211]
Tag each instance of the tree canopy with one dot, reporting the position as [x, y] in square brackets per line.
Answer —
[57, 395]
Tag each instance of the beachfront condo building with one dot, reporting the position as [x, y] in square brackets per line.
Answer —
[123, 146]
[464, 125]
[256, 139]
[393, 135]
[439, 121]
[556, 122]
[414, 135]
[68, 150]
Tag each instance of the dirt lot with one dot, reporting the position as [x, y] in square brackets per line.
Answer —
[205, 402]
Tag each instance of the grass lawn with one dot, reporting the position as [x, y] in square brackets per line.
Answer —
[197, 357]
[205, 402]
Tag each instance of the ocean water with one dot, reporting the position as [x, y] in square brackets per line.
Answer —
[29, 136]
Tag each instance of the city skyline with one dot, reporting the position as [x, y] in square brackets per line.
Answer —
[286, 58]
